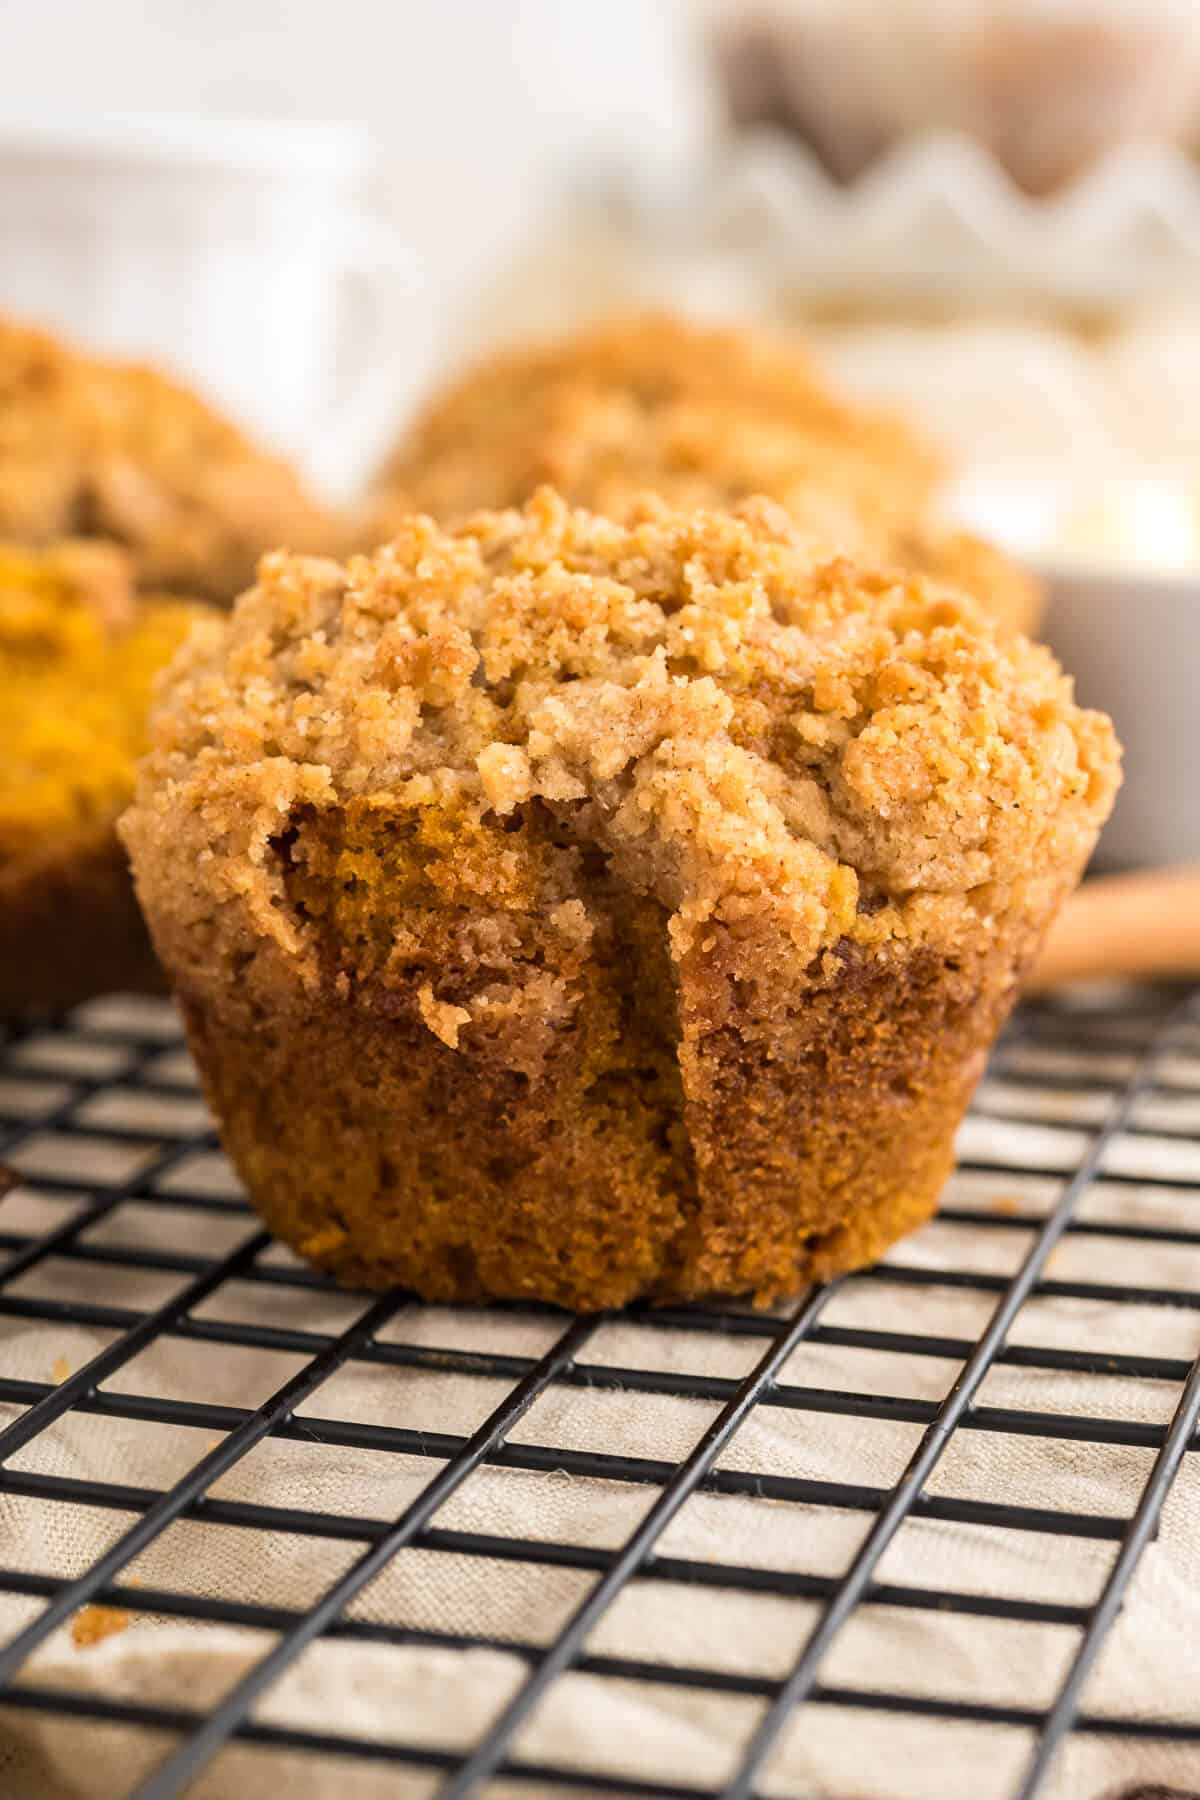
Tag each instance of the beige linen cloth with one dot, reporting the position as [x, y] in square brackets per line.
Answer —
[1149, 1668]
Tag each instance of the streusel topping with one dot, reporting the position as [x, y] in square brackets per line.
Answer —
[658, 358]
[703, 416]
[97, 448]
[757, 740]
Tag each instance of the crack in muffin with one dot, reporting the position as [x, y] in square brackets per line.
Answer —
[95, 448]
[583, 910]
[704, 417]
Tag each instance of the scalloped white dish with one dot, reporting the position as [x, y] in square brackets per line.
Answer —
[935, 218]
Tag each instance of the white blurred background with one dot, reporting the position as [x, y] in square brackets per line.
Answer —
[476, 114]
[498, 133]
[473, 106]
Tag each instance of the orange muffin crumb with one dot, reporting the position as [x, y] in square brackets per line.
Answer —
[97, 448]
[582, 910]
[78, 655]
[92, 1624]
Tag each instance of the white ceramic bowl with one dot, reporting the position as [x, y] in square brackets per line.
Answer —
[1122, 576]
[1132, 642]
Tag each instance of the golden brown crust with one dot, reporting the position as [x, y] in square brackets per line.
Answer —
[703, 417]
[597, 909]
[97, 448]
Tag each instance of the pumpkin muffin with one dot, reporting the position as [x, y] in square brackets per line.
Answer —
[78, 654]
[91, 447]
[703, 417]
[580, 910]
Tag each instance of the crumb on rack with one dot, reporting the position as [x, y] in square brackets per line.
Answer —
[92, 1624]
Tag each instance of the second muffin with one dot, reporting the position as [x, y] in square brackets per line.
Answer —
[95, 447]
[79, 651]
[575, 910]
[703, 416]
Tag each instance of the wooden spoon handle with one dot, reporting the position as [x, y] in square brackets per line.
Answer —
[1125, 925]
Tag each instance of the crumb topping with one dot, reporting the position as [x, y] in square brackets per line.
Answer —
[97, 448]
[757, 739]
[703, 416]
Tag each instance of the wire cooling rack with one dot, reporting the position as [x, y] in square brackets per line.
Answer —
[1085, 1134]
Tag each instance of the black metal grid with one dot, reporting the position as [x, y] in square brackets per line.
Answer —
[1130, 1043]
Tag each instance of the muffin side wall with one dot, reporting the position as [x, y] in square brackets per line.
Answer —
[823, 1136]
[575, 1169]
[70, 927]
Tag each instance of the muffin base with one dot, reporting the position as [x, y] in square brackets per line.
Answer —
[70, 927]
[608, 1168]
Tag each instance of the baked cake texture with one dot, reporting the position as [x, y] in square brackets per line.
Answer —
[579, 910]
[704, 417]
[96, 448]
[78, 655]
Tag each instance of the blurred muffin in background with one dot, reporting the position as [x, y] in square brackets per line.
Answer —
[615, 407]
[1047, 89]
[704, 417]
[96, 448]
[79, 651]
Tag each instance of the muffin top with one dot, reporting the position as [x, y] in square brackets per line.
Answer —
[703, 417]
[764, 742]
[97, 448]
[78, 654]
